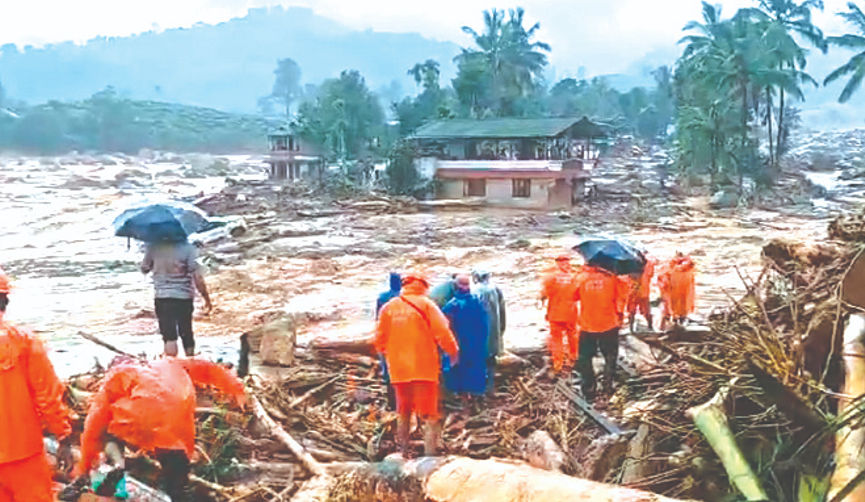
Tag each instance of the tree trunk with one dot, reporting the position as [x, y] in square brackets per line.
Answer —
[780, 123]
[850, 440]
[769, 121]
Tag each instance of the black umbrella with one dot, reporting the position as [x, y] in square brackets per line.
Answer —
[163, 222]
[612, 255]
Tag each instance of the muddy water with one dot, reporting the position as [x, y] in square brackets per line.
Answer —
[70, 273]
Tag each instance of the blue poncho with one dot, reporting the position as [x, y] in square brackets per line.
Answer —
[470, 324]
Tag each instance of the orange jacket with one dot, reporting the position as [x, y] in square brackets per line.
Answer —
[644, 288]
[678, 287]
[409, 340]
[151, 406]
[602, 296]
[558, 287]
[31, 396]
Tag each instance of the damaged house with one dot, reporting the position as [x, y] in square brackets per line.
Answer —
[534, 163]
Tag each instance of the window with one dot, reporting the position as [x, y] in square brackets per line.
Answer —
[475, 188]
[522, 188]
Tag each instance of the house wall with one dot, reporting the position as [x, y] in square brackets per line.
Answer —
[545, 193]
[426, 167]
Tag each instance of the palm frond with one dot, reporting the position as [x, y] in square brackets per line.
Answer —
[853, 85]
[848, 41]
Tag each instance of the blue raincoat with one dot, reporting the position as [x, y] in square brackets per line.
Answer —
[393, 292]
[470, 323]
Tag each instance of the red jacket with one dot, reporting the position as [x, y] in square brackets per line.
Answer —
[410, 340]
[151, 406]
[602, 296]
[31, 396]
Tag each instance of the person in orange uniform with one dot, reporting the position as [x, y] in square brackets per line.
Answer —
[151, 406]
[678, 289]
[410, 330]
[640, 291]
[31, 397]
[602, 296]
[558, 293]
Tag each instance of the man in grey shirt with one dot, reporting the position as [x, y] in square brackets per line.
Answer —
[176, 276]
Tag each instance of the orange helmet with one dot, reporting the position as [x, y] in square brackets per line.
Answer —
[4, 283]
[563, 257]
[415, 275]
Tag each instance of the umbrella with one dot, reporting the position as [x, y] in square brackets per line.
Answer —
[613, 255]
[163, 222]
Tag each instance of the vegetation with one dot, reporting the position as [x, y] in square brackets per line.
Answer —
[855, 68]
[109, 122]
[286, 88]
[726, 82]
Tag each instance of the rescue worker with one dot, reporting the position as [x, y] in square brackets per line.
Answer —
[395, 287]
[601, 296]
[150, 406]
[444, 292]
[410, 330]
[470, 323]
[639, 298]
[31, 397]
[558, 293]
[176, 276]
[678, 289]
[494, 303]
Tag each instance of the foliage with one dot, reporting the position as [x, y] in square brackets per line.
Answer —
[726, 80]
[344, 118]
[109, 122]
[855, 67]
[502, 73]
[286, 88]
[432, 103]
[402, 177]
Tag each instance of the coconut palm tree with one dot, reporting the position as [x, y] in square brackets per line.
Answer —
[855, 67]
[505, 60]
[426, 74]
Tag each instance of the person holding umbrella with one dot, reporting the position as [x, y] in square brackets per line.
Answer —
[601, 294]
[172, 260]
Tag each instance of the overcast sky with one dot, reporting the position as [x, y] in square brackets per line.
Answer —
[606, 36]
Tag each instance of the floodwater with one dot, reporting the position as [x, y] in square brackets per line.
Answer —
[72, 275]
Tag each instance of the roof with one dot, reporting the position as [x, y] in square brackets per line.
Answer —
[282, 130]
[508, 128]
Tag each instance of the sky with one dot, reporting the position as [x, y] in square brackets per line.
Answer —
[605, 36]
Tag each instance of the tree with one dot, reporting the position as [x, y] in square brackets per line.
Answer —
[344, 117]
[426, 74]
[431, 103]
[286, 88]
[855, 67]
[505, 66]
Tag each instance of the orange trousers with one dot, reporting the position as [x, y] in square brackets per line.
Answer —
[27, 480]
[559, 332]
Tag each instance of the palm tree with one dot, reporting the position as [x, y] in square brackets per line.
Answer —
[510, 59]
[855, 67]
[426, 73]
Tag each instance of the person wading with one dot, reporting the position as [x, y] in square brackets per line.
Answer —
[602, 296]
[410, 331]
[31, 402]
[176, 276]
[558, 293]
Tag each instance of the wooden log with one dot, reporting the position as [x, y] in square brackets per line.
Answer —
[105, 344]
[362, 346]
[586, 408]
[636, 468]
[276, 430]
[711, 420]
[847, 484]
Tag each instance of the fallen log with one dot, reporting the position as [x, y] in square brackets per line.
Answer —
[847, 481]
[276, 430]
[581, 403]
[363, 346]
[711, 420]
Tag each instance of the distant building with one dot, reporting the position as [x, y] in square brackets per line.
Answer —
[289, 159]
[540, 163]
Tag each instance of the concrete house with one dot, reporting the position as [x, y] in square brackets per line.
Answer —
[535, 163]
[288, 159]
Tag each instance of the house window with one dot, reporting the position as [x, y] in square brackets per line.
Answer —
[476, 188]
[522, 188]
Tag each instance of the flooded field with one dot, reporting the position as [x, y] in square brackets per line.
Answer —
[324, 261]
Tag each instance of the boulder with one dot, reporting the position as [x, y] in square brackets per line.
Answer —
[723, 199]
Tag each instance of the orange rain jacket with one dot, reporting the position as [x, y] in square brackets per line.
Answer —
[558, 287]
[602, 296]
[644, 286]
[152, 406]
[31, 396]
[409, 336]
[677, 285]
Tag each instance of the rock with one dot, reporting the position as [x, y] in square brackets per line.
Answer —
[723, 199]
[519, 244]
[542, 452]
[276, 341]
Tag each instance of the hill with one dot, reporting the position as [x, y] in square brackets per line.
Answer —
[225, 66]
